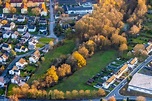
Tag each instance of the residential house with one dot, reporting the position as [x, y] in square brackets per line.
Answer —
[149, 47]
[7, 34]
[31, 28]
[15, 35]
[20, 48]
[2, 82]
[17, 80]
[21, 19]
[43, 9]
[9, 26]
[42, 21]
[25, 38]
[4, 57]
[133, 62]
[67, 17]
[32, 20]
[7, 8]
[141, 83]
[46, 49]
[22, 28]
[32, 43]
[24, 8]
[10, 17]
[42, 29]
[14, 71]
[123, 69]
[110, 81]
[16, 3]
[6, 47]
[21, 63]
[35, 57]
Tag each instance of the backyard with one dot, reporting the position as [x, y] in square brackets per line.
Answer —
[94, 65]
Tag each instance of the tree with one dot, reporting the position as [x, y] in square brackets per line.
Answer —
[12, 10]
[74, 93]
[52, 73]
[13, 98]
[36, 11]
[80, 59]
[112, 98]
[83, 51]
[123, 47]
[138, 49]
[140, 98]
[68, 95]
[1, 2]
[134, 30]
[101, 92]
[51, 43]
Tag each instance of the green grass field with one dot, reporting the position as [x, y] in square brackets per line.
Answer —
[94, 65]
[45, 40]
[67, 48]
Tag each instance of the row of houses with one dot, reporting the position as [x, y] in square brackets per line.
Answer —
[119, 73]
[21, 64]
[24, 7]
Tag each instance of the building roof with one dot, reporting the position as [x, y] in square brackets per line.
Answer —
[2, 79]
[37, 53]
[20, 1]
[22, 61]
[141, 81]
[77, 8]
[133, 61]
[111, 79]
[122, 69]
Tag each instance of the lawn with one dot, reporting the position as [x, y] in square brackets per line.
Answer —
[67, 48]
[94, 65]
[45, 40]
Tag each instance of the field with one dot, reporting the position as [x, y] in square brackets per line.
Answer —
[94, 65]
[50, 56]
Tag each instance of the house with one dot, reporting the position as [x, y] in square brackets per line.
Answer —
[67, 17]
[7, 34]
[10, 17]
[16, 3]
[32, 20]
[32, 43]
[149, 47]
[123, 69]
[21, 63]
[43, 9]
[24, 8]
[7, 8]
[25, 38]
[141, 83]
[2, 82]
[4, 57]
[14, 71]
[35, 57]
[110, 81]
[22, 28]
[42, 21]
[31, 28]
[133, 62]
[6, 47]
[46, 49]
[79, 10]
[21, 19]
[17, 80]
[42, 29]
[15, 35]
[9, 26]
[20, 48]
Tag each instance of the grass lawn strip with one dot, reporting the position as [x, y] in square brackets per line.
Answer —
[94, 65]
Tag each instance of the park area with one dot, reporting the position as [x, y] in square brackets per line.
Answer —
[94, 65]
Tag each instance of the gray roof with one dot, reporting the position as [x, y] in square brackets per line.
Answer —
[79, 8]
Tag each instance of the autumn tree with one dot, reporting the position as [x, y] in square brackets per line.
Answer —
[51, 73]
[138, 49]
[123, 47]
[140, 98]
[101, 92]
[36, 11]
[83, 51]
[112, 98]
[12, 10]
[74, 93]
[134, 30]
[80, 59]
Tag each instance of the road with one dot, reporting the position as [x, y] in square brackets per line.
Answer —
[115, 91]
[52, 22]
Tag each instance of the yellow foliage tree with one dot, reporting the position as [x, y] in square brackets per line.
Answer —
[52, 73]
[80, 59]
